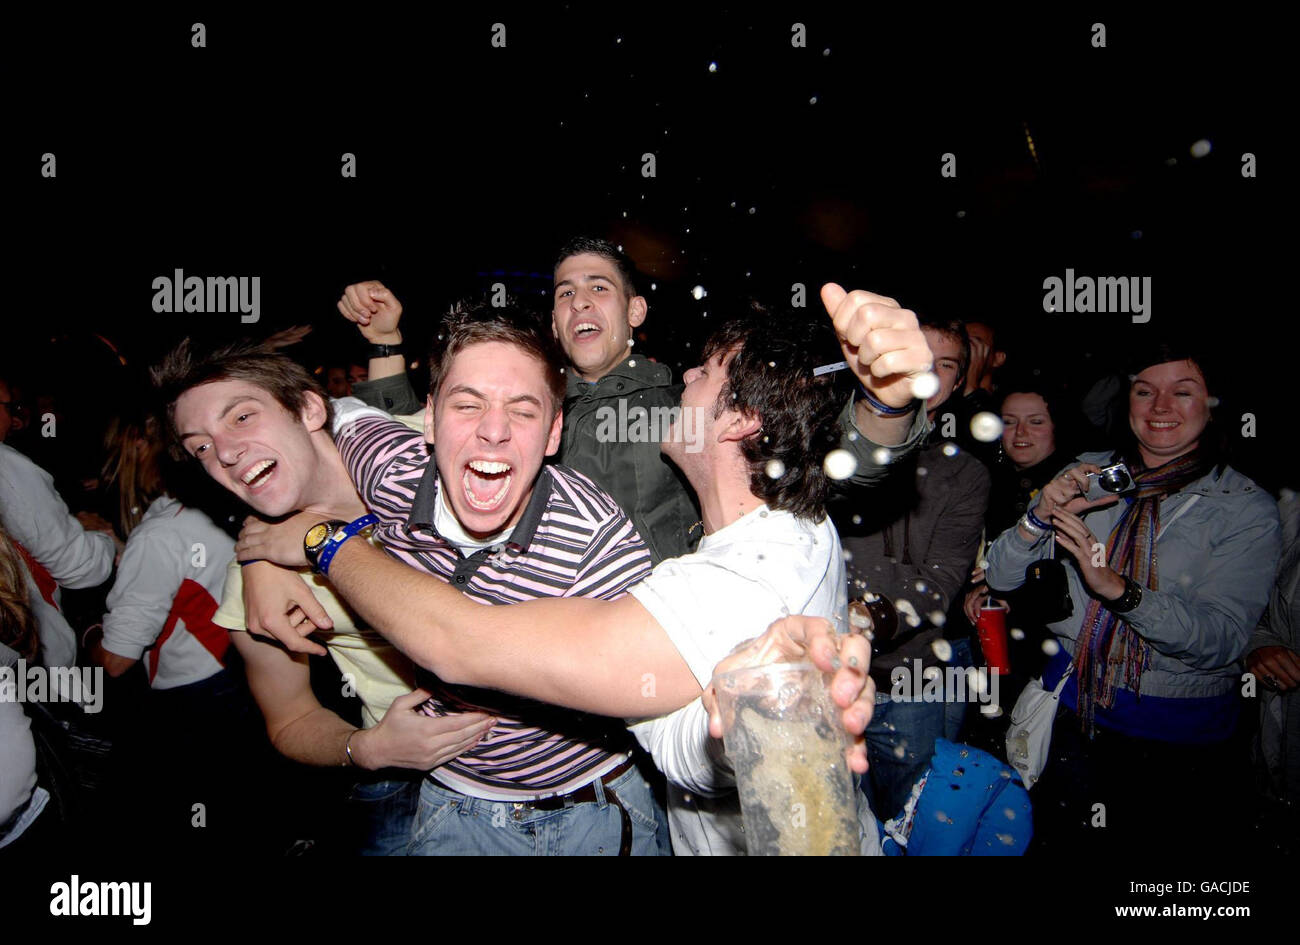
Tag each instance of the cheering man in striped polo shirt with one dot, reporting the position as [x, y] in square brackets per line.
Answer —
[769, 417]
[486, 516]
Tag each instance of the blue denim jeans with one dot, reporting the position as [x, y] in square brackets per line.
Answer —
[452, 824]
[900, 742]
[901, 735]
[384, 814]
[954, 714]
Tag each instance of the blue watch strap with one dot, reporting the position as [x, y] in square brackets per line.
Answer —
[339, 537]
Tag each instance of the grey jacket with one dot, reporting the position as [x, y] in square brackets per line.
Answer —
[1279, 713]
[1216, 557]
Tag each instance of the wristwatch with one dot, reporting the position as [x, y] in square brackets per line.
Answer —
[385, 351]
[323, 539]
[317, 537]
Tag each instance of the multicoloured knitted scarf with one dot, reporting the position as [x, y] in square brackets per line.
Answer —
[1108, 650]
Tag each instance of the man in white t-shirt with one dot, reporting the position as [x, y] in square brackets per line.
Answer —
[764, 421]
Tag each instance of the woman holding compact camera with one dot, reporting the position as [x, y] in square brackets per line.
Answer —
[1173, 554]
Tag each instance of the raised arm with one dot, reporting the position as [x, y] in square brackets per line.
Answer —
[886, 351]
[376, 312]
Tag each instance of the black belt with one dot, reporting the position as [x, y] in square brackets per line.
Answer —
[587, 795]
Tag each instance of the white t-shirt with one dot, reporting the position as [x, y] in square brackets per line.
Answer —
[168, 584]
[742, 578]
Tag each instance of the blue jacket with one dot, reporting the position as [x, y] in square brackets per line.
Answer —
[1215, 567]
[972, 805]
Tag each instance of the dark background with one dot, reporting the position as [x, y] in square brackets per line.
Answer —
[475, 162]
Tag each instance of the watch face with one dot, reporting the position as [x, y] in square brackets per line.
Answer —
[317, 534]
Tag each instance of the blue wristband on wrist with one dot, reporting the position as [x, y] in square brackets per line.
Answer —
[1037, 522]
[881, 409]
[244, 564]
[330, 550]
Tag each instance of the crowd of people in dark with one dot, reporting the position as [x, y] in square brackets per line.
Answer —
[356, 608]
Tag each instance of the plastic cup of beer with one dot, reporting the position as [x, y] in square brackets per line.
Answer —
[992, 631]
[783, 736]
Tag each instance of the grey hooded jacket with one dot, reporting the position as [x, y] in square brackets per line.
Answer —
[1216, 557]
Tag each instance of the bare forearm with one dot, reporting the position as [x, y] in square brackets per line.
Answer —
[317, 738]
[606, 657]
[113, 664]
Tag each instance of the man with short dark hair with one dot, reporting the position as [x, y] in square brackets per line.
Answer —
[609, 390]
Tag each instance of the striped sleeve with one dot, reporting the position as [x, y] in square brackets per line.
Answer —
[615, 558]
[384, 459]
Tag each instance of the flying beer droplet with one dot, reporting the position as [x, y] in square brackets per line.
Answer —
[925, 386]
[986, 427]
[840, 464]
[775, 469]
[1051, 647]
[942, 649]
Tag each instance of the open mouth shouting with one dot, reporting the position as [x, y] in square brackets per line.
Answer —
[586, 331]
[486, 483]
[257, 475]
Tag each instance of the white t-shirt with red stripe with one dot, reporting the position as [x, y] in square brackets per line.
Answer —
[168, 584]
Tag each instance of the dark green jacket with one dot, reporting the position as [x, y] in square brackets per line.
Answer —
[612, 430]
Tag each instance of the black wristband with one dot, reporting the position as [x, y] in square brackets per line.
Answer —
[1131, 597]
[385, 351]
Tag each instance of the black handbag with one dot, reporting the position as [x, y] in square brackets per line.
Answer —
[1045, 594]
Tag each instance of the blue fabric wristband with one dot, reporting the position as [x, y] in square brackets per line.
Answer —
[881, 409]
[331, 549]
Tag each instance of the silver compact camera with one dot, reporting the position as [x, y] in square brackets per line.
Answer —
[1111, 480]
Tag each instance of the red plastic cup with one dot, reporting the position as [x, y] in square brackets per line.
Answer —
[992, 630]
